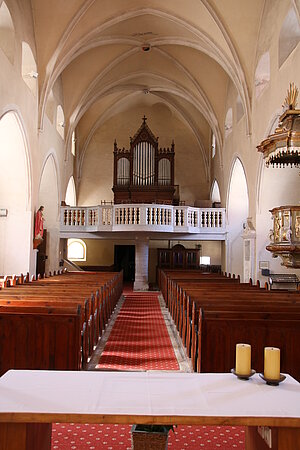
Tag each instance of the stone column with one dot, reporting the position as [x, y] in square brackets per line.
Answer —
[141, 264]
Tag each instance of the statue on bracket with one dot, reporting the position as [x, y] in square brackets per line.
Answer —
[38, 227]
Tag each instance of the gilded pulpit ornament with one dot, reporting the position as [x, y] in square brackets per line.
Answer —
[285, 235]
[279, 150]
[283, 147]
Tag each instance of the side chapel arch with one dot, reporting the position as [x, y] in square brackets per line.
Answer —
[48, 197]
[15, 194]
[237, 213]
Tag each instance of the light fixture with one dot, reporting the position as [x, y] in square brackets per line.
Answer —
[146, 47]
[283, 147]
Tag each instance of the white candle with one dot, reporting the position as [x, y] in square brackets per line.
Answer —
[272, 363]
[243, 359]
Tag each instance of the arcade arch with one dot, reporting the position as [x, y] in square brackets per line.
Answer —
[237, 213]
[15, 185]
[49, 198]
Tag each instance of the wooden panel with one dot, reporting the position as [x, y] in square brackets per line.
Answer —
[22, 436]
[288, 438]
[13, 436]
[282, 439]
[39, 342]
[38, 436]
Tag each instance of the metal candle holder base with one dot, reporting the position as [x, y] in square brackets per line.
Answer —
[272, 382]
[243, 377]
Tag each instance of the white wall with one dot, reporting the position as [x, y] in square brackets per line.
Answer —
[16, 228]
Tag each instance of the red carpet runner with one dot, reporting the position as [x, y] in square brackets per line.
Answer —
[139, 340]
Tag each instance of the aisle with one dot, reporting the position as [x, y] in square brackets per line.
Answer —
[139, 340]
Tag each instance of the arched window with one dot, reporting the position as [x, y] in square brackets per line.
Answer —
[228, 122]
[60, 121]
[76, 250]
[262, 73]
[70, 198]
[215, 193]
[289, 36]
[7, 32]
[29, 68]
[73, 144]
[213, 145]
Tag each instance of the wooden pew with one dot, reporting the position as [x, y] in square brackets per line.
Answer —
[40, 338]
[189, 294]
[95, 295]
[220, 331]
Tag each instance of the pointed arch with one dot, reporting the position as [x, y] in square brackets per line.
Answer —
[49, 185]
[7, 32]
[215, 192]
[237, 213]
[48, 197]
[15, 196]
[70, 198]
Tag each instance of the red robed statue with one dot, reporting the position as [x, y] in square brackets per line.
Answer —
[38, 227]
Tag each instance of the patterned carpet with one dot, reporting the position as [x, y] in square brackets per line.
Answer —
[139, 340]
[117, 437]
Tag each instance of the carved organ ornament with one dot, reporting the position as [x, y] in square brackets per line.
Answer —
[144, 173]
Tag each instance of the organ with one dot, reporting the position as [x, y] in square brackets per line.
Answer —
[144, 173]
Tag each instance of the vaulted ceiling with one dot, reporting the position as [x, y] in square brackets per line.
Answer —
[109, 54]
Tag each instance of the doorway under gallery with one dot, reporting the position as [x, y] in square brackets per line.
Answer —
[124, 259]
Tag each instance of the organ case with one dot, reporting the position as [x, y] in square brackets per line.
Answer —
[144, 173]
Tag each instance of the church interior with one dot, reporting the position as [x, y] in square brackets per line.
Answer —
[142, 137]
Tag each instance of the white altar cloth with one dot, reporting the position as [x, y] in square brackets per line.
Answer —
[146, 393]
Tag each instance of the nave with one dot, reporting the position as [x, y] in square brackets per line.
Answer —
[141, 336]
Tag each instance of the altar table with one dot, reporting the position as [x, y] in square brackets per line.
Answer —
[31, 400]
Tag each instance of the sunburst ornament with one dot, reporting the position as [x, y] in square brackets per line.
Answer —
[290, 101]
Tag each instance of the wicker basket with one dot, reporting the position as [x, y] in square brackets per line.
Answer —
[149, 440]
